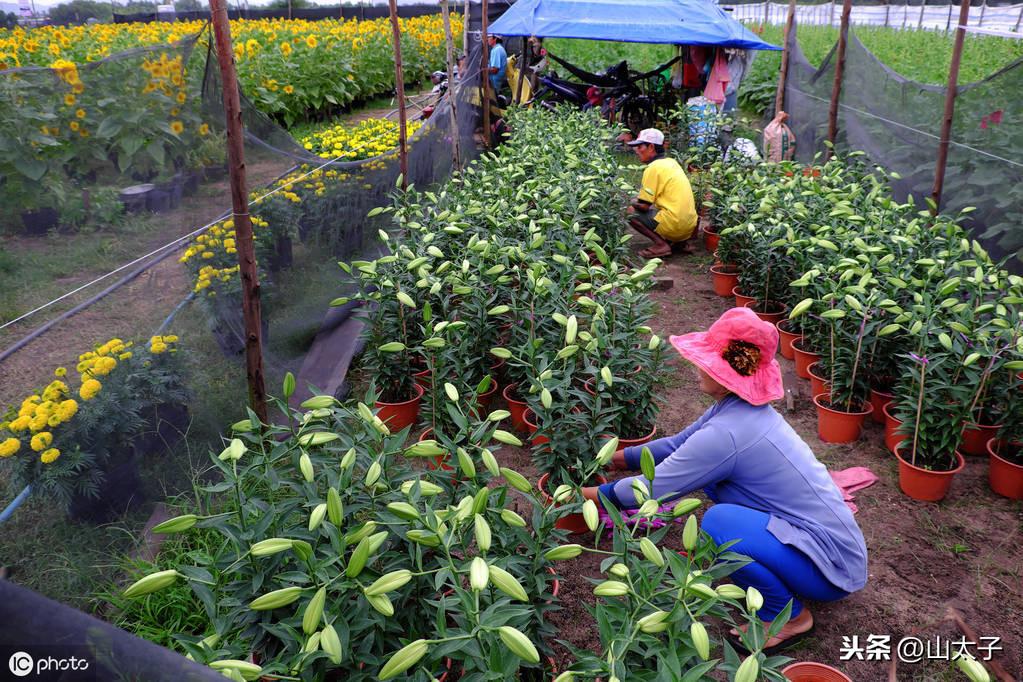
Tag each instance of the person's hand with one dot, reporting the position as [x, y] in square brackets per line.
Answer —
[590, 493]
[618, 461]
[630, 210]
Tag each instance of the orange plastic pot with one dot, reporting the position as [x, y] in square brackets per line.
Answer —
[879, 399]
[976, 438]
[724, 278]
[399, 415]
[423, 378]
[516, 407]
[891, 436]
[573, 523]
[837, 426]
[487, 397]
[741, 299]
[785, 338]
[1004, 477]
[923, 484]
[804, 358]
[710, 238]
[773, 313]
[818, 384]
[814, 672]
[632, 442]
[528, 416]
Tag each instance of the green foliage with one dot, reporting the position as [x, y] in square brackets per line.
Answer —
[78, 11]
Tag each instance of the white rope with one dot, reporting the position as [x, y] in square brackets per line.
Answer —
[177, 241]
[915, 130]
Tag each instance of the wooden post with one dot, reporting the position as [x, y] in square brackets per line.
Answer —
[887, 11]
[485, 24]
[923, 6]
[983, 8]
[779, 98]
[836, 88]
[1019, 19]
[948, 22]
[767, 13]
[466, 13]
[950, 103]
[452, 97]
[399, 86]
[240, 205]
[831, 14]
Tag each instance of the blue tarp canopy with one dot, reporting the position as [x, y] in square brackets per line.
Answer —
[677, 22]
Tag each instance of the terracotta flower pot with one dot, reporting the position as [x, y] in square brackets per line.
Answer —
[818, 384]
[891, 437]
[741, 299]
[710, 238]
[814, 672]
[399, 415]
[631, 442]
[804, 358]
[976, 438]
[423, 378]
[923, 484]
[768, 311]
[573, 523]
[837, 426]
[516, 407]
[529, 418]
[724, 277]
[879, 399]
[1004, 477]
[785, 339]
[487, 397]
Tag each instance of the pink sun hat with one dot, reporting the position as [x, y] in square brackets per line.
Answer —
[750, 343]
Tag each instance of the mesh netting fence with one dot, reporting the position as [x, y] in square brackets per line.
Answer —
[897, 123]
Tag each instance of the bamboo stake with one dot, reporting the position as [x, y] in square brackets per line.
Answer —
[767, 13]
[399, 84]
[455, 151]
[485, 23]
[950, 102]
[240, 206]
[779, 98]
[836, 88]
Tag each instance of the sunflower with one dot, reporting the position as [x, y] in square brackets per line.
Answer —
[74, 125]
[288, 89]
[204, 129]
[80, 113]
[181, 97]
[69, 100]
[311, 41]
[177, 127]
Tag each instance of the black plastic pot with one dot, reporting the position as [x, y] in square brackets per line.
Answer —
[213, 173]
[120, 492]
[191, 186]
[166, 425]
[158, 200]
[135, 199]
[282, 256]
[39, 221]
[174, 189]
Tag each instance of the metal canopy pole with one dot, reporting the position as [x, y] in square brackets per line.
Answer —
[950, 103]
[240, 204]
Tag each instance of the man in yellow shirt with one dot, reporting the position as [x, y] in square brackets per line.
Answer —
[664, 210]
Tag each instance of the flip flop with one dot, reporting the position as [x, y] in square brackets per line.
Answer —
[650, 253]
[771, 650]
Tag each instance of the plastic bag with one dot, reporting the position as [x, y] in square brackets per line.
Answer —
[779, 142]
[742, 152]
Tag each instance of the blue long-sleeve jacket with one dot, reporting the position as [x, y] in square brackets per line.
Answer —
[749, 455]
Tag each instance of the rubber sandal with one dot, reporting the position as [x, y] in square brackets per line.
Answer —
[771, 650]
[650, 253]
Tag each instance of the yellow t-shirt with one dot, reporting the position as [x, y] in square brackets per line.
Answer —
[666, 186]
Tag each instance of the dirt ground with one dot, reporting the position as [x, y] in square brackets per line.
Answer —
[964, 553]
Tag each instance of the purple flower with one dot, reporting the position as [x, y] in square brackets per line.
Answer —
[921, 360]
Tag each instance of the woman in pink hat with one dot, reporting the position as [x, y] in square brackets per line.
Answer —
[771, 494]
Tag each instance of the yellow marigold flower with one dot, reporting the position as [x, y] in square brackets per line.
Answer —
[19, 424]
[173, 338]
[89, 389]
[50, 456]
[80, 113]
[288, 89]
[54, 420]
[159, 347]
[68, 409]
[38, 422]
[9, 447]
[60, 372]
[177, 127]
[124, 356]
[41, 441]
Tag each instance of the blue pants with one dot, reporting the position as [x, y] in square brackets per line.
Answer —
[780, 572]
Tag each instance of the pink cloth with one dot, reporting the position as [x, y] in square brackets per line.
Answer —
[852, 479]
[718, 80]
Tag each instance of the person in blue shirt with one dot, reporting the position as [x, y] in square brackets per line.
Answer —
[770, 492]
[498, 63]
